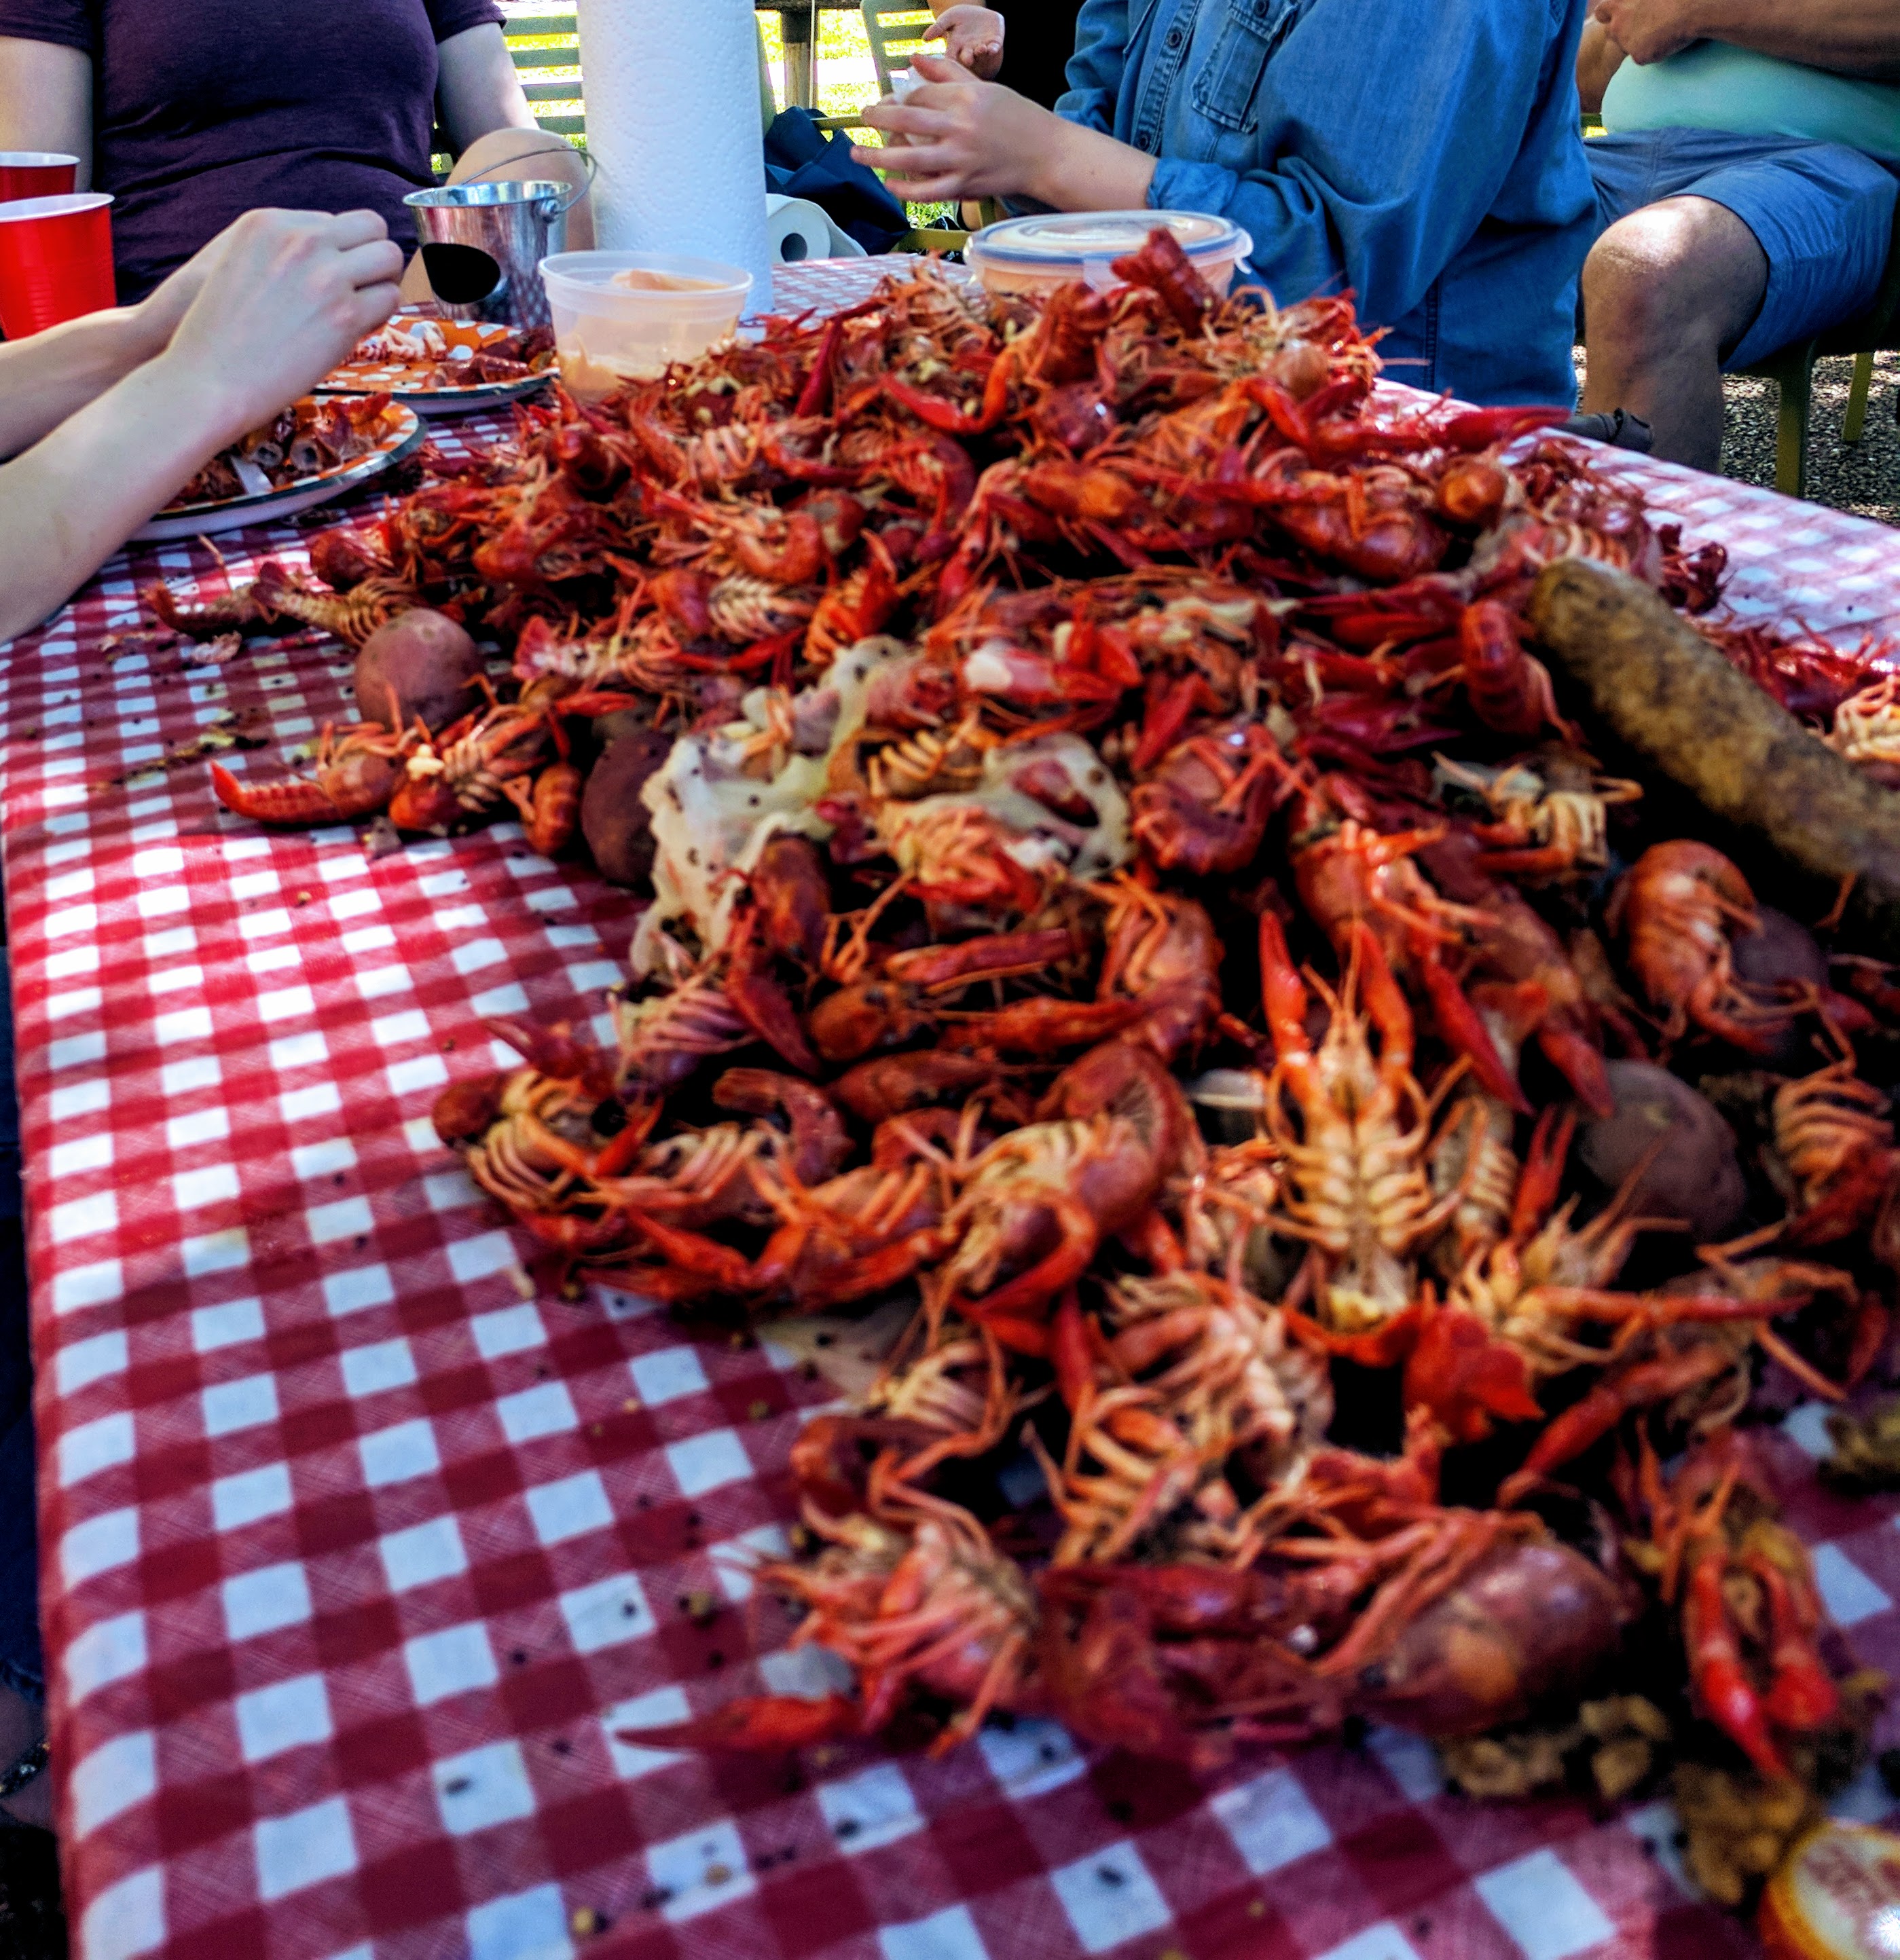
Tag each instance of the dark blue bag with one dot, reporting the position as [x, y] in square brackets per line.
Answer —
[803, 160]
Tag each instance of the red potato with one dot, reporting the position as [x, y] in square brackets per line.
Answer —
[1694, 1176]
[1780, 951]
[429, 660]
[616, 823]
[1527, 1622]
[1782, 961]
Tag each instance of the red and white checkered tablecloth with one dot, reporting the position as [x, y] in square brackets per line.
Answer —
[355, 1547]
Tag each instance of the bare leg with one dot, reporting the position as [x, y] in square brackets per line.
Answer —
[1668, 291]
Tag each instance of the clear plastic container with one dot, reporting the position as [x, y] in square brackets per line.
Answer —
[1034, 255]
[621, 317]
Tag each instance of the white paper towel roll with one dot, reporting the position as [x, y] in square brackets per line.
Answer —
[800, 230]
[797, 228]
[673, 128]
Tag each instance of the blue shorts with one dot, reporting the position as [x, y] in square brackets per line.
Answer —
[1821, 212]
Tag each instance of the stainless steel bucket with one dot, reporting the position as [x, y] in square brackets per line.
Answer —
[483, 242]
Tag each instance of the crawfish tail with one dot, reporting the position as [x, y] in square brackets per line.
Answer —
[238, 608]
[554, 808]
[296, 801]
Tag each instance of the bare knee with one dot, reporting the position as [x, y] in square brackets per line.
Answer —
[1682, 274]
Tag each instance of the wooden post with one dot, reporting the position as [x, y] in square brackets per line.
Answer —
[797, 26]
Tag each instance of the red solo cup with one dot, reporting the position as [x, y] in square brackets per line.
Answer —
[36, 173]
[55, 261]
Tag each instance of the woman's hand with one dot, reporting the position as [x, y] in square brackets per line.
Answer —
[965, 138]
[155, 319]
[973, 37]
[282, 297]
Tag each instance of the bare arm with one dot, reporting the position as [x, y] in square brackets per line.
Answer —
[1851, 36]
[968, 138]
[517, 156]
[477, 89]
[50, 376]
[1598, 58]
[54, 374]
[45, 101]
[284, 296]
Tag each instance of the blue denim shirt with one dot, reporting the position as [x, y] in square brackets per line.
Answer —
[1425, 153]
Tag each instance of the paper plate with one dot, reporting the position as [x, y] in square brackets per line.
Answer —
[231, 514]
[420, 384]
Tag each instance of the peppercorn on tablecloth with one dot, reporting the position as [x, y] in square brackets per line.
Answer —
[357, 1545]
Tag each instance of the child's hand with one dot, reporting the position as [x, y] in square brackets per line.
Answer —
[972, 37]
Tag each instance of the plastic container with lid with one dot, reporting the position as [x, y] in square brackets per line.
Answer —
[1034, 256]
[1836, 1896]
[621, 317]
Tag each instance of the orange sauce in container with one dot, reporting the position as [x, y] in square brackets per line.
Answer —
[1835, 1897]
[638, 279]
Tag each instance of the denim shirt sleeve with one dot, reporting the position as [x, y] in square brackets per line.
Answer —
[1096, 68]
[1375, 173]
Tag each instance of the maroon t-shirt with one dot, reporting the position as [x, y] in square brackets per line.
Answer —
[203, 110]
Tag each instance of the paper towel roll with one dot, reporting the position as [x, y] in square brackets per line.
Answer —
[797, 228]
[800, 230]
[674, 130]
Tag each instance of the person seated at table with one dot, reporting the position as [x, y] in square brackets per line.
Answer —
[1425, 153]
[192, 114]
[105, 417]
[1746, 190]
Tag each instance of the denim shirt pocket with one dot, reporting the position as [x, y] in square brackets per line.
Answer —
[1227, 89]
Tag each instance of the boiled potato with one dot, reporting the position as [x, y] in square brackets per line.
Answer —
[429, 660]
[1694, 1175]
[616, 824]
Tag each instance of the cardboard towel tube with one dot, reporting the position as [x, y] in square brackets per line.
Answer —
[1678, 705]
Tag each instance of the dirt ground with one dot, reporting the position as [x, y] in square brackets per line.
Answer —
[1865, 479]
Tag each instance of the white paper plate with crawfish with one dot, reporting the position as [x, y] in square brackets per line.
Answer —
[446, 366]
[273, 491]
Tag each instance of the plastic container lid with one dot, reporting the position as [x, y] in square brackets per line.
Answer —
[1083, 243]
[1836, 1896]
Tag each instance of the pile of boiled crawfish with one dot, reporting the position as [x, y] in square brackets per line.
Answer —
[1123, 884]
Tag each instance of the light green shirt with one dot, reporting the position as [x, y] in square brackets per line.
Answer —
[1713, 86]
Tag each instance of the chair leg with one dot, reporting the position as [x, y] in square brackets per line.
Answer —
[1794, 374]
[1857, 415]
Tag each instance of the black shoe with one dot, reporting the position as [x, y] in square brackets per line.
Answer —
[1618, 428]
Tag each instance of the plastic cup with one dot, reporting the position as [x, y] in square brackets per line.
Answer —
[55, 261]
[621, 317]
[36, 173]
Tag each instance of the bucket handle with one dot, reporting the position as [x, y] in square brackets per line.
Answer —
[548, 207]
